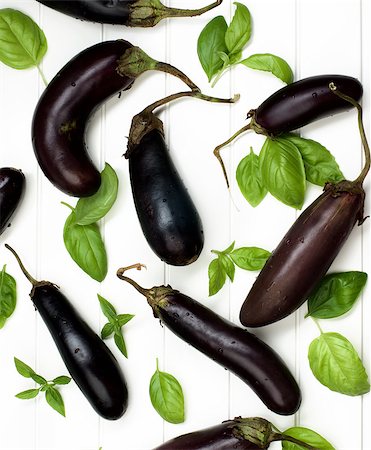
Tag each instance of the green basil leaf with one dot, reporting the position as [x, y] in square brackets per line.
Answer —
[107, 309]
[235, 58]
[336, 364]
[217, 276]
[8, 296]
[22, 42]
[210, 42]
[89, 210]
[63, 379]
[336, 294]
[228, 266]
[307, 436]
[30, 393]
[270, 63]
[249, 179]
[250, 258]
[225, 58]
[38, 378]
[107, 330]
[85, 245]
[23, 369]
[167, 396]
[239, 31]
[320, 166]
[123, 319]
[120, 343]
[55, 400]
[283, 172]
[227, 250]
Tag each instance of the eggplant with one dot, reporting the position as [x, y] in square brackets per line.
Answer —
[132, 13]
[88, 360]
[12, 184]
[251, 433]
[234, 348]
[297, 105]
[308, 249]
[67, 104]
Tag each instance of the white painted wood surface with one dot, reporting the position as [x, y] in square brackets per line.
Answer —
[317, 36]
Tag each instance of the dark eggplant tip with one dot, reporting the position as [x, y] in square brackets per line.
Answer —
[82, 185]
[289, 403]
[114, 411]
[12, 183]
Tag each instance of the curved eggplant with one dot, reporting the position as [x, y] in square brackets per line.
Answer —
[231, 346]
[88, 360]
[12, 183]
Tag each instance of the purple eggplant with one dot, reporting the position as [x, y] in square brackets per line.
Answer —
[12, 183]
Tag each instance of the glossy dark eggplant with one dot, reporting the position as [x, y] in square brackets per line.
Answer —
[12, 183]
[63, 111]
[234, 348]
[88, 360]
[307, 251]
[132, 13]
[240, 433]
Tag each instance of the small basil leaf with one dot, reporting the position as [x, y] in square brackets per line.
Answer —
[63, 379]
[217, 276]
[167, 396]
[225, 58]
[107, 330]
[107, 309]
[320, 166]
[8, 296]
[229, 249]
[89, 210]
[270, 63]
[210, 43]
[336, 294]
[250, 258]
[85, 245]
[123, 319]
[22, 42]
[228, 266]
[239, 30]
[120, 342]
[55, 400]
[30, 393]
[23, 369]
[283, 172]
[336, 364]
[307, 436]
[249, 179]
[235, 58]
[38, 378]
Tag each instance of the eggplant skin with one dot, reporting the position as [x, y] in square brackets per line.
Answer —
[218, 437]
[237, 350]
[89, 361]
[63, 111]
[101, 11]
[305, 101]
[12, 184]
[166, 212]
[302, 258]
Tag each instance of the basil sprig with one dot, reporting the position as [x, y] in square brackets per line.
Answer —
[166, 396]
[114, 324]
[247, 258]
[219, 47]
[8, 296]
[52, 394]
[22, 42]
[305, 435]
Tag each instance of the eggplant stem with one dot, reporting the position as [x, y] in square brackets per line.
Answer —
[177, 12]
[219, 147]
[30, 278]
[360, 179]
[285, 437]
[138, 266]
[168, 68]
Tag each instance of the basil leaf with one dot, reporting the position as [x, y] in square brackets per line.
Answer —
[239, 31]
[22, 42]
[336, 294]
[228, 249]
[55, 400]
[217, 276]
[228, 266]
[89, 210]
[23, 369]
[250, 258]
[167, 396]
[107, 309]
[38, 378]
[249, 179]
[107, 330]
[283, 172]
[320, 166]
[63, 379]
[26, 395]
[270, 63]
[123, 319]
[85, 245]
[210, 42]
[305, 435]
[336, 364]
[8, 296]
[120, 343]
